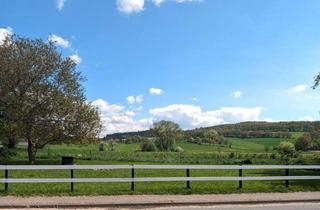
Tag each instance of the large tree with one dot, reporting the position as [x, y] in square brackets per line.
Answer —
[41, 97]
[167, 133]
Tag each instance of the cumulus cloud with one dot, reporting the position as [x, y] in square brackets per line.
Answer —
[60, 4]
[135, 99]
[155, 91]
[76, 58]
[159, 2]
[184, 1]
[59, 41]
[5, 32]
[130, 6]
[116, 118]
[136, 6]
[236, 94]
[307, 118]
[190, 116]
[298, 88]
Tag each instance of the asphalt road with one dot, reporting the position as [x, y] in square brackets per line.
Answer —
[283, 206]
[289, 206]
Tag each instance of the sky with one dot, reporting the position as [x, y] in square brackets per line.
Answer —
[196, 62]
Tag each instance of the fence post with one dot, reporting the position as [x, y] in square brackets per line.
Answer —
[188, 181]
[240, 175]
[71, 184]
[132, 176]
[287, 174]
[6, 184]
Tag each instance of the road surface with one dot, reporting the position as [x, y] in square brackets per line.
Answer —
[251, 201]
[283, 206]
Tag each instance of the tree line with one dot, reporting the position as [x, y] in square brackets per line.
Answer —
[240, 130]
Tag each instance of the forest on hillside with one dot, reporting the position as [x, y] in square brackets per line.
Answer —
[254, 129]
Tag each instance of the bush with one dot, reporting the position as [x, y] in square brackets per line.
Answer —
[101, 147]
[112, 145]
[232, 155]
[246, 161]
[304, 142]
[286, 150]
[178, 149]
[148, 146]
[5, 154]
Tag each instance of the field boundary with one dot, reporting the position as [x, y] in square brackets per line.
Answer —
[133, 179]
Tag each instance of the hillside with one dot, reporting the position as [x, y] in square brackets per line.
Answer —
[285, 126]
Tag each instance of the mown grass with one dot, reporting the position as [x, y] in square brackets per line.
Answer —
[242, 149]
[153, 187]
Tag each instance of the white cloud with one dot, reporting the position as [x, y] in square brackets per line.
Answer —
[236, 94]
[136, 6]
[130, 6]
[307, 118]
[299, 88]
[60, 4]
[76, 58]
[184, 1]
[5, 32]
[131, 99]
[158, 2]
[194, 99]
[270, 120]
[116, 118]
[59, 41]
[190, 116]
[155, 91]
[135, 99]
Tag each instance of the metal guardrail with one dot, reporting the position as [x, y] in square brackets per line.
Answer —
[240, 178]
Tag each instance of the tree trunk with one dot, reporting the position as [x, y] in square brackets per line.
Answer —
[32, 150]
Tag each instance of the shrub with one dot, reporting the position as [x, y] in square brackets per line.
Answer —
[134, 139]
[303, 142]
[101, 147]
[5, 154]
[246, 161]
[148, 146]
[112, 145]
[178, 149]
[273, 156]
[286, 150]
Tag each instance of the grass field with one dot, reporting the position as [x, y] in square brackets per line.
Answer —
[242, 149]
[154, 187]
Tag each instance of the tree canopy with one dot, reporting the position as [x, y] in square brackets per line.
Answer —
[167, 133]
[41, 97]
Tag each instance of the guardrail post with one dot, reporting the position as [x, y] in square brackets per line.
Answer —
[188, 181]
[240, 175]
[6, 184]
[132, 176]
[287, 174]
[71, 184]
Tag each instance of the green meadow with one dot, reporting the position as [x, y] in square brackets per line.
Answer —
[252, 149]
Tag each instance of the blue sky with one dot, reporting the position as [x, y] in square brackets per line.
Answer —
[208, 62]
